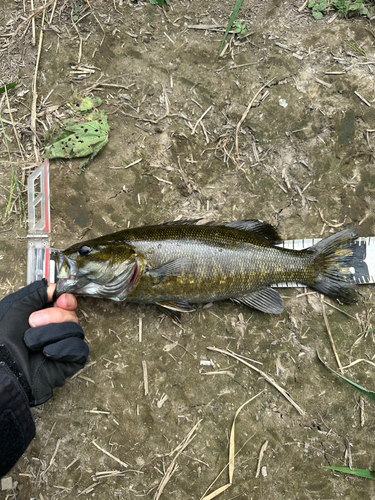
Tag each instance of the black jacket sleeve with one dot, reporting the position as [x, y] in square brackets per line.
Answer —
[17, 428]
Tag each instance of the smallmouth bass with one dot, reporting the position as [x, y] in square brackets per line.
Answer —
[177, 264]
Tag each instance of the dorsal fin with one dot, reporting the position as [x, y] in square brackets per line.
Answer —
[183, 222]
[262, 229]
[265, 232]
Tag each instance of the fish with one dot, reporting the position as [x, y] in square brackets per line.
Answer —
[177, 264]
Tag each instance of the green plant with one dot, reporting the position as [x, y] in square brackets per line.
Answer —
[8, 86]
[240, 29]
[317, 7]
[355, 48]
[231, 21]
[369, 474]
[346, 8]
[369, 394]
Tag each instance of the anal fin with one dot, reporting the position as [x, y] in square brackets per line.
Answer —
[266, 300]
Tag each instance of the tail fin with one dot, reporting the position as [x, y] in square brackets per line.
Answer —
[334, 257]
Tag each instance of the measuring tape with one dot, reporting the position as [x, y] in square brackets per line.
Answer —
[40, 263]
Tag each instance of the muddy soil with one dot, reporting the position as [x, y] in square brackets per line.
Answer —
[303, 161]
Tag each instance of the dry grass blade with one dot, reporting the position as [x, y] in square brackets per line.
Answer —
[330, 224]
[338, 309]
[173, 466]
[247, 112]
[200, 119]
[232, 455]
[264, 375]
[330, 336]
[261, 453]
[13, 124]
[358, 361]
[145, 376]
[110, 455]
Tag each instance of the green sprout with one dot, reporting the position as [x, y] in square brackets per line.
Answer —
[231, 21]
[240, 29]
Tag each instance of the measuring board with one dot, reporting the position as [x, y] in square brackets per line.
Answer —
[40, 263]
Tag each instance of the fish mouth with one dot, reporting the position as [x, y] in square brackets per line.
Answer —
[66, 274]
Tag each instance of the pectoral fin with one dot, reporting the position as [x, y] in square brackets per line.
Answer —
[267, 300]
[173, 268]
[173, 308]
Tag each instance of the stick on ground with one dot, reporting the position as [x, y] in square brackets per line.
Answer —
[264, 375]
[330, 336]
[173, 465]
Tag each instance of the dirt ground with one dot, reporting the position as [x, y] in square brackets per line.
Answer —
[306, 167]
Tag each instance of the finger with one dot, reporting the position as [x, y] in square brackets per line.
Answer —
[70, 350]
[66, 301]
[36, 338]
[51, 291]
[51, 315]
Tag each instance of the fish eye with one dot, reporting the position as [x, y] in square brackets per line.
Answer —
[85, 250]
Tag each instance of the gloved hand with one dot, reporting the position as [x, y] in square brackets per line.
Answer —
[40, 358]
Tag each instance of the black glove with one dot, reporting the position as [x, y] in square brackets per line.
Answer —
[41, 358]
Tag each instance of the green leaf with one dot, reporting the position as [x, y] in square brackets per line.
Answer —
[80, 139]
[317, 15]
[369, 394]
[8, 86]
[369, 474]
[89, 103]
[240, 29]
[84, 104]
[322, 4]
[231, 21]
